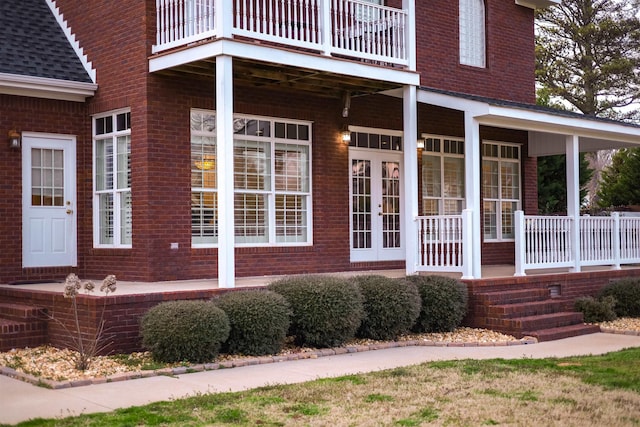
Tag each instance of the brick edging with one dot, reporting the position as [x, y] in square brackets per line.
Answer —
[258, 360]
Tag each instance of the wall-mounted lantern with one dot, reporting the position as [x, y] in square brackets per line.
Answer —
[14, 139]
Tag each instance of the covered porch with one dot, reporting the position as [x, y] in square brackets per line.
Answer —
[572, 242]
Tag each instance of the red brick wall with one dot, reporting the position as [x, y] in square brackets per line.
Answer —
[509, 73]
[32, 115]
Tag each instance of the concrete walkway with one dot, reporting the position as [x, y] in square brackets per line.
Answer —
[20, 401]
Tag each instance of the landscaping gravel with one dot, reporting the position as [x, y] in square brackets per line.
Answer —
[55, 364]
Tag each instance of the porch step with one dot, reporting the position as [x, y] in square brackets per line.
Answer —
[512, 297]
[563, 332]
[21, 326]
[534, 308]
[529, 312]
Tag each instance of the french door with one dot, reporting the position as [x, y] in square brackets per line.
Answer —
[376, 206]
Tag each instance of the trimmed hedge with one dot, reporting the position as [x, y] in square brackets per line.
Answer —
[596, 310]
[627, 295]
[190, 331]
[391, 306]
[259, 321]
[444, 303]
[327, 310]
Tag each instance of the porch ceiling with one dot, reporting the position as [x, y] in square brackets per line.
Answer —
[255, 73]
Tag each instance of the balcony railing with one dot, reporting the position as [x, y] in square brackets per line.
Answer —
[349, 28]
[549, 241]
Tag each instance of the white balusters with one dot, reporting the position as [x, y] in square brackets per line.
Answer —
[440, 243]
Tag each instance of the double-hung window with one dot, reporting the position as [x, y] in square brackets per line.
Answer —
[272, 181]
[112, 217]
[472, 33]
[501, 189]
[443, 176]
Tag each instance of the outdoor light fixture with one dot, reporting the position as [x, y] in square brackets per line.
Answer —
[346, 135]
[14, 139]
[420, 144]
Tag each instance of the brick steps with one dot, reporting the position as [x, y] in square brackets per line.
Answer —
[21, 326]
[530, 312]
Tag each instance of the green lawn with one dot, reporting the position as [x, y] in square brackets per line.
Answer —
[577, 391]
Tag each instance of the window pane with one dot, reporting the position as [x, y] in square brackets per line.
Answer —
[490, 220]
[291, 218]
[430, 206]
[126, 220]
[453, 177]
[251, 218]
[124, 162]
[105, 212]
[104, 165]
[291, 167]
[252, 165]
[361, 203]
[472, 32]
[204, 217]
[490, 179]
[510, 180]
[431, 174]
[203, 162]
[508, 209]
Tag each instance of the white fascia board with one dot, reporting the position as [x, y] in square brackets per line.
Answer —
[516, 118]
[285, 57]
[40, 87]
[476, 108]
[537, 4]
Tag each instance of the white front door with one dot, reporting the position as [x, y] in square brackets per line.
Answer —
[48, 200]
[376, 206]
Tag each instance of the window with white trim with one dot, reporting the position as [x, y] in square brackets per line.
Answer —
[472, 33]
[500, 189]
[442, 176]
[112, 212]
[272, 180]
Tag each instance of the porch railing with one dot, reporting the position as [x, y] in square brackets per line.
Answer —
[351, 28]
[441, 242]
[550, 242]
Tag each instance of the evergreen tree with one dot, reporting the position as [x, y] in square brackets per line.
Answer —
[621, 180]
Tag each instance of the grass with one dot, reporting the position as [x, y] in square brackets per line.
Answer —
[577, 391]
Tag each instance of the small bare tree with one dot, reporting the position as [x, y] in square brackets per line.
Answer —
[86, 347]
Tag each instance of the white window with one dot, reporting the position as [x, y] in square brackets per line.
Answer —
[501, 189]
[443, 176]
[272, 180]
[112, 219]
[472, 33]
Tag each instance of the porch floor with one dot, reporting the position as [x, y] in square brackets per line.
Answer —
[136, 288]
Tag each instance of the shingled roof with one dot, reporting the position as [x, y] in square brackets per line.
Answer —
[33, 44]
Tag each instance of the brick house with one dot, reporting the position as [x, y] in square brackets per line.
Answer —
[185, 139]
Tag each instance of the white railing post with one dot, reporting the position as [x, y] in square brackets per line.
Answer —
[467, 244]
[325, 30]
[223, 15]
[616, 243]
[410, 33]
[520, 244]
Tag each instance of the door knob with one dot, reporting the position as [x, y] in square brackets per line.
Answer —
[69, 211]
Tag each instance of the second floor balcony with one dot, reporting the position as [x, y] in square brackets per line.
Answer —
[352, 29]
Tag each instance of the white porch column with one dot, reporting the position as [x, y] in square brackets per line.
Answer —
[223, 10]
[224, 164]
[410, 6]
[573, 195]
[410, 137]
[473, 200]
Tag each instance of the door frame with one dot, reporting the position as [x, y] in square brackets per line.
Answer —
[52, 141]
[377, 252]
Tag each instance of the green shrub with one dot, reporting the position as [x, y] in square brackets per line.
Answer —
[596, 310]
[627, 295]
[190, 331]
[444, 303]
[391, 306]
[259, 321]
[327, 310]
